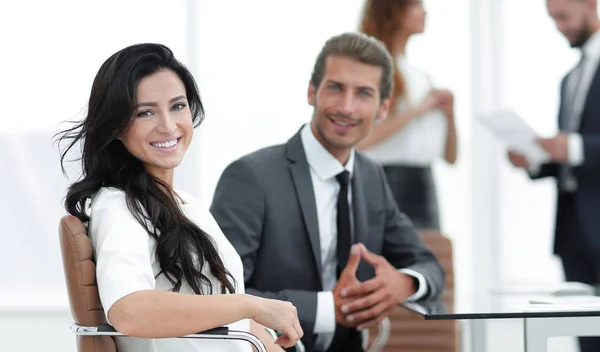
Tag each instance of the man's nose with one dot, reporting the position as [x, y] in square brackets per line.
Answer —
[346, 105]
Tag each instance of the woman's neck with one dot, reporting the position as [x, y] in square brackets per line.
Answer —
[165, 175]
[401, 42]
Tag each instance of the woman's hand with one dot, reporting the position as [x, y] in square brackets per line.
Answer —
[261, 332]
[280, 316]
[431, 102]
[446, 102]
[437, 99]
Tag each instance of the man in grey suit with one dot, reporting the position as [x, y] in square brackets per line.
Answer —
[314, 221]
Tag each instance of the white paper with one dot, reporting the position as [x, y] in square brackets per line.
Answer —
[516, 134]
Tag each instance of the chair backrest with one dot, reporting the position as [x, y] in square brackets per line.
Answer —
[410, 332]
[80, 276]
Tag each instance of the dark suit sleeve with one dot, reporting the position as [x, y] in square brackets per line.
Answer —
[546, 170]
[239, 208]
[591, 158]
[403, 246]
[591, 150]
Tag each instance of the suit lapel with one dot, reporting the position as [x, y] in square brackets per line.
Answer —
[300, 172]
[561, 111]
[359, 203]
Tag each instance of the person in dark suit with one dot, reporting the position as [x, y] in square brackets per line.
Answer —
[575, 151]
[314, 220]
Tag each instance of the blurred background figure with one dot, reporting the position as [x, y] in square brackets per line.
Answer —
[575, 151]
[420, 128]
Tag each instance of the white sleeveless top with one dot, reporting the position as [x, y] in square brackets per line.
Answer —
[126, 263]
[422, 140]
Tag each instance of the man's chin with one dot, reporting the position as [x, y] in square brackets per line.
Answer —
[576, 45]
[581, 39]
[341, 144]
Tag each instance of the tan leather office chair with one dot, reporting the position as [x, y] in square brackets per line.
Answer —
[409, 332]
[93, 332]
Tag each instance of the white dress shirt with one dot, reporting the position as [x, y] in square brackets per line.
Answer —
[578, 94]
[422, 140]
[323, 169]
[126, 263]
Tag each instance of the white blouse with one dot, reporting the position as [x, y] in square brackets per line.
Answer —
[422, 140]
[126, 263]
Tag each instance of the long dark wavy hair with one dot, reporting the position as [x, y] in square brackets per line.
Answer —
[182, 249]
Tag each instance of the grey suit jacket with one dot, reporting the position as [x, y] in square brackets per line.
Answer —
[265, 205]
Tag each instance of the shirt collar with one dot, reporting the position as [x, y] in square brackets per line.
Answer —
[591, 48]
[323, 163]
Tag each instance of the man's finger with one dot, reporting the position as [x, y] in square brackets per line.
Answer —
[373, 259]
[364, 316]
[353, 260]
[363, 303]
[544, 142]
[362, 288]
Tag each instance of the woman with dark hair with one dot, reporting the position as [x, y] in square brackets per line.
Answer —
[164, 268]
[420, 128]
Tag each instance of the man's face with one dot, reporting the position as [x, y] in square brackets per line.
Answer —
[346, 103]
[571, 19]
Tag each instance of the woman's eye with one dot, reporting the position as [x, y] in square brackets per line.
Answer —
[178, 106]
[144, 113]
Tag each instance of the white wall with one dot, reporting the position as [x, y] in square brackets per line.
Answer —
[51, 53]
[535, 58]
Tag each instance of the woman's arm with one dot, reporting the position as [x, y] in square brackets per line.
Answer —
[451, 150]
[386, 127]
[126, 283]
[158, 314]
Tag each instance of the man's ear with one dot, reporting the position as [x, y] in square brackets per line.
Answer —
[312, 91]
[384, 109]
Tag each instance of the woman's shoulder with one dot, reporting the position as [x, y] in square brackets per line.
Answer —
[187, 198]
[413, 72]
[108, 196]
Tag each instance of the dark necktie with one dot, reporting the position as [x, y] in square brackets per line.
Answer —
[342, 337]
[344, 235]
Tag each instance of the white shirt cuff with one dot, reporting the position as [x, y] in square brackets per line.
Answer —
[422, 289]
[325, 320]
[575, 154]
[533, 169]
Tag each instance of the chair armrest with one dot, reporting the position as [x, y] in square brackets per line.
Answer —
[380, 340]
[220, 333]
